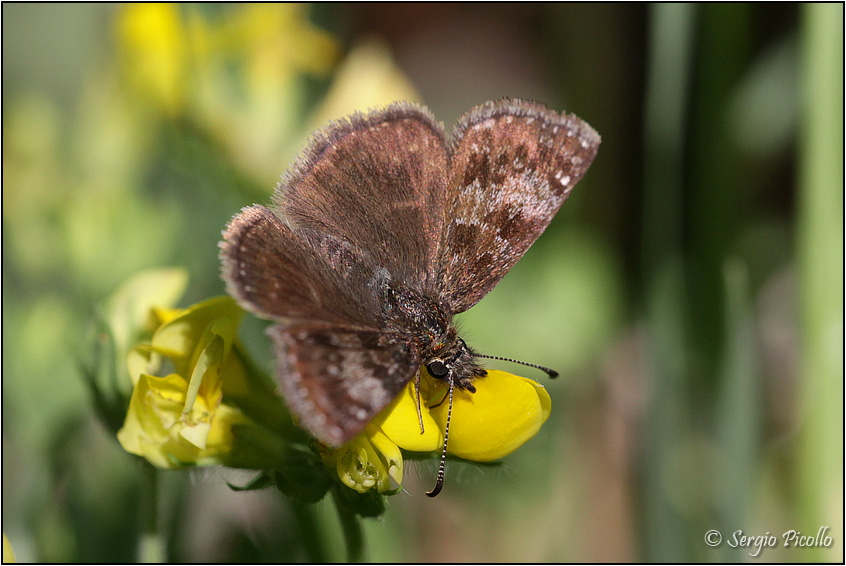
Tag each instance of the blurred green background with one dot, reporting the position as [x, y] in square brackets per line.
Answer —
[690, 292]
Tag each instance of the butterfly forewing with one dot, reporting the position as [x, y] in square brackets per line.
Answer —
[337, 379]
[378, 182]
[513, 165]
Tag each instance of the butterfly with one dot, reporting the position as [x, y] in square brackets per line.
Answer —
[383, 229]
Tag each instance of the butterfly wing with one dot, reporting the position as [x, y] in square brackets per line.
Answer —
[377, 182]
[282, 274]
[514, 164]
[337, 379]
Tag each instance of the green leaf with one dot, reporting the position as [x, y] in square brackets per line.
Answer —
[368, 504]
[303, 478]
[262, 481]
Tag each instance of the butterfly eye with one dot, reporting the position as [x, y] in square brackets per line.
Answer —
[437, 369]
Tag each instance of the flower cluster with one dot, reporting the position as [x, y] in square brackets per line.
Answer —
[186, 380]
[237, 73]
[198, 401]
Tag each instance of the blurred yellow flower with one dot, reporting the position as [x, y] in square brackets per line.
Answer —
[368, 77]
[180, 419]
[8, 554]
[280, 40]
[505, 412]
[236, 72]
[154, 48]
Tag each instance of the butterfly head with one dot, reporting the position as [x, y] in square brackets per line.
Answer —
[455, 362]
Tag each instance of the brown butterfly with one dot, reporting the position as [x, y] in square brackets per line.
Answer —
[382, 230]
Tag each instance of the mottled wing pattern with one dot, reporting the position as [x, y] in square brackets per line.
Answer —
[513, 165]
[337, 379]
[376, 181]
[283, 274]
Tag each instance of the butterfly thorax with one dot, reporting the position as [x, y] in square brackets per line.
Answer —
[432, 335]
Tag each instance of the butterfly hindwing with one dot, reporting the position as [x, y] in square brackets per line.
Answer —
[336, 379]
[282, 274]
[513, 165]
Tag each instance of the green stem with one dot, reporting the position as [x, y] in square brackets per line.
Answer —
[820, 258]
[672, 39]
[315, 548]
[351, 527]
[737, 411]
[152, 547]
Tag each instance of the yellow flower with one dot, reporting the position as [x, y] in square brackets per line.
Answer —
[505, 411]
[179, 418]
[370, 460]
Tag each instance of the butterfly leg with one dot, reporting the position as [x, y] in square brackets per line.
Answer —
[417, 391]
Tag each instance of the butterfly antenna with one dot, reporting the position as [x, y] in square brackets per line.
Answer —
[550, 372]
[439, 484]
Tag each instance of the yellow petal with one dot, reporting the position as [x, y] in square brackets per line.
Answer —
[390, 456]
[154, 408]
[236, 381]
[205, 371]
[179, 337]
[196, 433]
[506, 411]
[129, 307]
[161, 316]
[400, 422]
[220, 437]
[142, 359]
